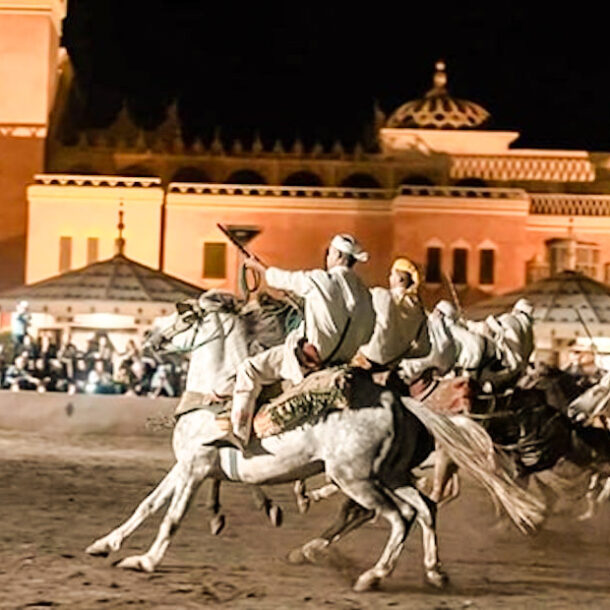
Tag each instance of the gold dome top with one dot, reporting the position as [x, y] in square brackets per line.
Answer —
[438, 110]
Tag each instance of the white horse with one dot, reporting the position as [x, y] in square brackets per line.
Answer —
[367, 450]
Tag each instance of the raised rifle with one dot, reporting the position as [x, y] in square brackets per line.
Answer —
[238, 244]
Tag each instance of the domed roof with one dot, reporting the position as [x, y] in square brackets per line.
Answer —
[438, 110]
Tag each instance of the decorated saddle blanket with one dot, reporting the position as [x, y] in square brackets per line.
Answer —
[318, 394]
[448, 396]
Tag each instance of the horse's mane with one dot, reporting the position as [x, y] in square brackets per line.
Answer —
[268, 320]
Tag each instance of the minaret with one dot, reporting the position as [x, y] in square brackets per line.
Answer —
[30, 32]
[119, 242]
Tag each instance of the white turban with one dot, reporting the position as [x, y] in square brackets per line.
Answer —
[348, 245]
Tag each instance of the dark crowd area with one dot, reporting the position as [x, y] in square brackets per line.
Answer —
[44, 365]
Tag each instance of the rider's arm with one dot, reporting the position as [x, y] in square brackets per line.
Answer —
[298, 282]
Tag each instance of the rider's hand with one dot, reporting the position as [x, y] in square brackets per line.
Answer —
[253, 263]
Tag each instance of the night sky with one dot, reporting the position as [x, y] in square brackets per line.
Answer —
[314, 70]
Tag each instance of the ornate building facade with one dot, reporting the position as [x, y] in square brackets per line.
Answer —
[438, 186]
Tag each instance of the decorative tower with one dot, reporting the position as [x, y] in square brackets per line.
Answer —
[30, 32]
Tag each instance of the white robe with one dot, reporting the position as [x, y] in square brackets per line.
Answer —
[331, 299]
[400, 328]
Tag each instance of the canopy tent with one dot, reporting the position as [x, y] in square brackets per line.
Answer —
[571, 311]
[118, 296]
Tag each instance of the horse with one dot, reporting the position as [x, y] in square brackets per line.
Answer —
[381, 441]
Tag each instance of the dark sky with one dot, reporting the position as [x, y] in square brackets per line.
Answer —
[314, 69]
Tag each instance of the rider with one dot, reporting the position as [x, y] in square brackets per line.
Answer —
[338, 319]
[514, 336]
[400, 324]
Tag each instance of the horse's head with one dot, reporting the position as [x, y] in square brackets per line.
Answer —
[592, 402]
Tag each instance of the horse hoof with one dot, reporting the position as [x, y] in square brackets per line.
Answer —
[303, 503]
[437, 578]
[139, 563]
[313, 551]
[275, 515]
[98, 550]
[367, 582]
[217, 524]
[296, 557]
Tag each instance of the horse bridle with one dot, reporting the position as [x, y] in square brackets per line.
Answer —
[199, 318]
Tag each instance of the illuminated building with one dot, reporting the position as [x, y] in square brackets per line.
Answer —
[439, 186]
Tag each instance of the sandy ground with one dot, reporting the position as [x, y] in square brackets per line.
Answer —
[58, 495]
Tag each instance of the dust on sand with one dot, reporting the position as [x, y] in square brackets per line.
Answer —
[58, 495]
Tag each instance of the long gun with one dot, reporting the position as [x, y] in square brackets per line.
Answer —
[238, 244]
[294, 301]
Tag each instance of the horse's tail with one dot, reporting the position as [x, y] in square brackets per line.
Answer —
[471, 448]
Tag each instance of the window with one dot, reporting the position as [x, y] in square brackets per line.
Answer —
[92, 248]
[215, 260]
[433, 266]
[65, 254]
[460, 269]
[486, 266]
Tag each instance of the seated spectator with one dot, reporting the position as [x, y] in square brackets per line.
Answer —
[78, 382]
[17, 376]
[29, 345]
[99, 380]
[66, 354]
[46, 347]
[130, 354]
[161, 383]
[42, 372]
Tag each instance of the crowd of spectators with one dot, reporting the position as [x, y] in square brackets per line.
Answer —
[46, 366]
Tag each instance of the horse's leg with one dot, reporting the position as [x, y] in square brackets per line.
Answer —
[351, 516]
[151, 504]
[370, 496]
[217, 522]
[442, 474]
[409, 499]
[304, 498]
[592, 497]
[263, 502]
[186, 485]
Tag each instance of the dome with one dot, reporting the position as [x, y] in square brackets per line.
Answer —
[438, 110]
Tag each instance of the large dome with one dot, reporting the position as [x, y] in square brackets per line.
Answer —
[438, 110]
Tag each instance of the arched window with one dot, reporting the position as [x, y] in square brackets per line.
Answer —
[487, 261]
[460, 266]
[360, 181]
[245, 176]
[190, 174]
[137, 171]
[82, 169]
[302, 179]
[417, 180]
[433, 265]
[476, 182]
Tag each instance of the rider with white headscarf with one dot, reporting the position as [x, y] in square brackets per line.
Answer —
[338, 319]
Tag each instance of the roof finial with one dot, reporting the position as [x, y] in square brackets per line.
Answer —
[119, 242]
[440, 76]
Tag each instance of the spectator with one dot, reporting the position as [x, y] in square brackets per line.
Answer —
[46, 347]
[20, 323]
[81, 371]
[99, 380]
[19, 378]
[161, 381]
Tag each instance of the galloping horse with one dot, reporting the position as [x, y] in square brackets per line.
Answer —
[381, 441]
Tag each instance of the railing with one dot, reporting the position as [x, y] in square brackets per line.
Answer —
[570, 205]
[263, 190]
[95, 180]
[464, 192]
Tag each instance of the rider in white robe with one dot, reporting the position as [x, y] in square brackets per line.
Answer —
[338, 319]
[514, 336]
[400, 323]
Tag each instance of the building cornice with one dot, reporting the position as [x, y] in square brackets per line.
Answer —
[23, 130]
[55, 9]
